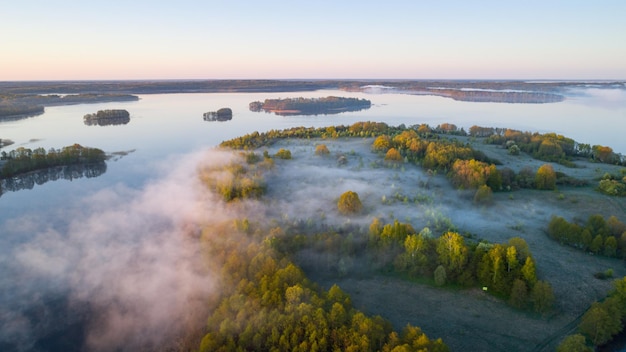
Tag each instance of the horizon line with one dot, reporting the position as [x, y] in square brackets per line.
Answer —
[316, 79]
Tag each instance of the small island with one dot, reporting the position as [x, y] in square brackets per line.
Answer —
[310, 106]
[223, 114]
[107, 117]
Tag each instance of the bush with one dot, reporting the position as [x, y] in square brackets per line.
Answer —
[321, 149]
[283, 153]
[612, 187]
[484, 195]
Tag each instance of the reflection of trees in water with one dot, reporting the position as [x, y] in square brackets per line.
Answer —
[39, 177]
[107, 121]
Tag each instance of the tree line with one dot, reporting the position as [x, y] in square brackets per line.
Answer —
[23, 160]
[506, 270]
[600, 323]
[597, 235]
[548, 147]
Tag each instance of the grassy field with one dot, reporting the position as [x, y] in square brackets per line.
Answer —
[307, 188]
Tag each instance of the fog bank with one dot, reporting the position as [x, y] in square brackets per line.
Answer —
[124, 265]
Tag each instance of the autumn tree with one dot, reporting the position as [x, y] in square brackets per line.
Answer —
[393, 155]
[528, 271]
[382, 144]
[472, 173]
[321, 149]
[545, 178]
[602, 153]
[349, 203]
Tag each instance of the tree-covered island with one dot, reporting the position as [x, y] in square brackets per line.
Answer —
[310, 106]
[107, 117]
[223, 114]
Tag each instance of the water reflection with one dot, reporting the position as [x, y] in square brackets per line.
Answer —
[107, 122]
[39, 177]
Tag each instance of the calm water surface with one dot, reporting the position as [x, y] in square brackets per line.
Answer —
[165, 127]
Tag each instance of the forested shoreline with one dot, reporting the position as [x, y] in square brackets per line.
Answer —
[23, 160]
[22, 105]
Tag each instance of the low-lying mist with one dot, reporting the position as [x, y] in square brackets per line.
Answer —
[123, 271]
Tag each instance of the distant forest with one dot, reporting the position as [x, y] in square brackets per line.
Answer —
[12, 105]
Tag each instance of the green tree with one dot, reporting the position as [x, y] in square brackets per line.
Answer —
[483, 195]
[519, 294]
[415, 256]
[497, 259]
[349, 203]
[616, 227]
[596, 244]
[545, 178]
[440, 275]
[598, 324]
[452, 252]
[521, 247]
[597, 225]
[542, 297]
[610, 246]
[586, 238]
[574, 343]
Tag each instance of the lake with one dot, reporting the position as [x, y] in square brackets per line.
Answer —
[163, 133]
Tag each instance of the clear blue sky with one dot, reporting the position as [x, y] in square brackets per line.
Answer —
[230, 39]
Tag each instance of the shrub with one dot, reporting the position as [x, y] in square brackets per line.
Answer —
[283, 153]
[321, 149]
[484, 195]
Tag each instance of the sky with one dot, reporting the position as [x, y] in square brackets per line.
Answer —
[233, 39]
